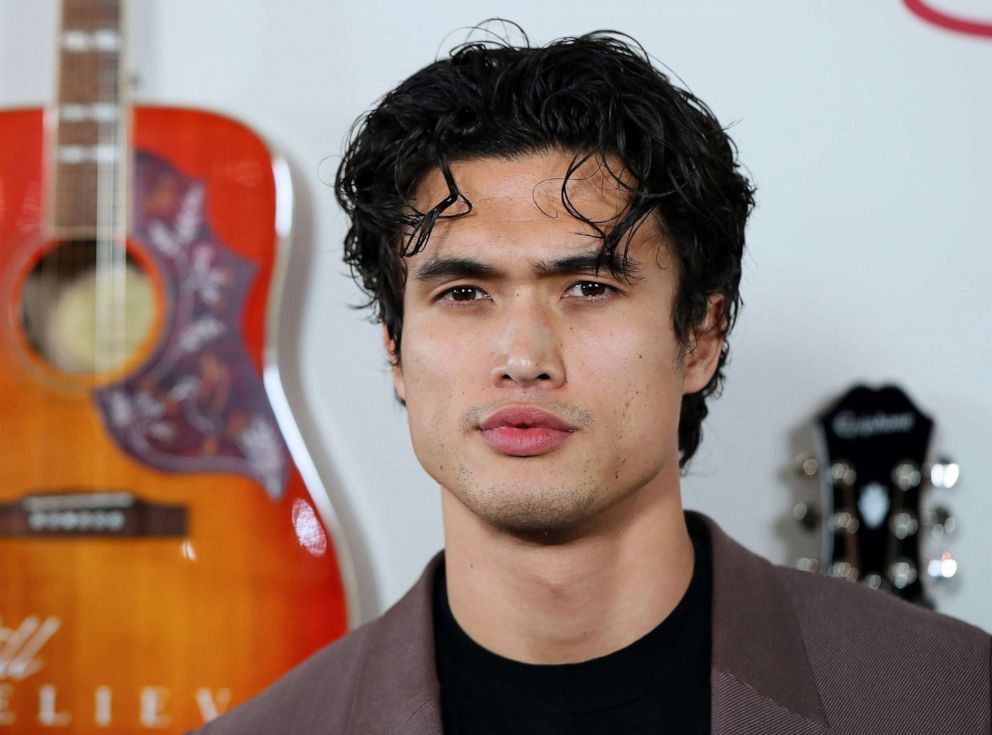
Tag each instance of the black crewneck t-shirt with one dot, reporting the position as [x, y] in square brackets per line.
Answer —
[658, 684]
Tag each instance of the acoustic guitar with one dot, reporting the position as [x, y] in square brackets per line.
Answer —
[161, 558]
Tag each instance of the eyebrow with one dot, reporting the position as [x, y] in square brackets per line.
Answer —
[440, 267]
[588, 262]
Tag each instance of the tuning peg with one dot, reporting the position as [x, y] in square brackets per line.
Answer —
[939, 521]
[906, 476]
[902, 573]
[844, 521]
[872, 580]
[943, 567]
[844, 570]
[944, 473]
[903, 524]
[806, 465]
[807, 515]
[843, 474]
[807, 564]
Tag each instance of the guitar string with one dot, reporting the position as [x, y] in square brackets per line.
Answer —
[110, 324]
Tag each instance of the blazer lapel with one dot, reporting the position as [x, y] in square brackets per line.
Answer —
[761, 678]
[398, 692]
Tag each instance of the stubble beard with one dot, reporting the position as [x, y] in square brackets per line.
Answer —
[543, 513]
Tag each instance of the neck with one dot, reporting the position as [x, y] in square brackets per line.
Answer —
[574, 601]
[88, 134]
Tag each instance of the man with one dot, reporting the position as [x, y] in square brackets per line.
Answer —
[552, 239]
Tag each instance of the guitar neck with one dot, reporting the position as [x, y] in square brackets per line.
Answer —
[89, 128]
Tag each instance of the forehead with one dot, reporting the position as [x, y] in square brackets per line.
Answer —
[527, 190]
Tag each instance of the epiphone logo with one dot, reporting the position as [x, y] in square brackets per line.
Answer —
[19, 658]
[848, 425]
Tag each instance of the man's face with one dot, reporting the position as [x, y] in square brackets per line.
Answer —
[539, 392]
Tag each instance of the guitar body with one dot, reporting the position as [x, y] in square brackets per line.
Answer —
[160, 557]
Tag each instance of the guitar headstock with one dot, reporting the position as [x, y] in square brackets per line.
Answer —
[872, 448]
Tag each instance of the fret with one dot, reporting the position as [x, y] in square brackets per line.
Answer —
[99, 153]
[101, 112]
[105, 40]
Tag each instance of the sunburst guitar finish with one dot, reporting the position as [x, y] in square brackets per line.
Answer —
[160, 556]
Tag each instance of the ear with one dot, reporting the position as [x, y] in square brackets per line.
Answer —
[389, 345]
[701, 361]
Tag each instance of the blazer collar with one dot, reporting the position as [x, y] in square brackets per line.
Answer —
[760, 676]
[398, 691]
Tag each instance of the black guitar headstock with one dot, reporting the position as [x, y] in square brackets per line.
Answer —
[872, 448]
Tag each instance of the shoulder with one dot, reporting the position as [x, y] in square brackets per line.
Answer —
[374, 679]
[839, 653]
[826, 603]
[871, 652]
[307, 699]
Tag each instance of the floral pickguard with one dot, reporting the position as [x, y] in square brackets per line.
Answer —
[198, 404]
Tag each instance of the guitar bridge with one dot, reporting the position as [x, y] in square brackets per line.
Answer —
[91, 514]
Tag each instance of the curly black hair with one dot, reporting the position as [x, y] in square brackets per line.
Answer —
[597, 96]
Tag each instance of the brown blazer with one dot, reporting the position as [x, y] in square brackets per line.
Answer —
[793, 654]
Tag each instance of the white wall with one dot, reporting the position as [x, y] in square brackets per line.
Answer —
[867, 131]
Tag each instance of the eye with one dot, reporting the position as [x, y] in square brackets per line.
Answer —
[590, 291]
[463, 294]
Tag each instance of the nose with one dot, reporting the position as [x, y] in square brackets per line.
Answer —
[528, 351]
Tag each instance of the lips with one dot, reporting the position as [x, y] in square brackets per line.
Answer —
[525, 431]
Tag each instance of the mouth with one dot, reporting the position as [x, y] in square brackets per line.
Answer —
[525, 431]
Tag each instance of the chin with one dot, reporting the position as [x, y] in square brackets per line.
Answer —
[537, 514]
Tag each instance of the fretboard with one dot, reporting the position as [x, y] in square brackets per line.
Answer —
[90, 130]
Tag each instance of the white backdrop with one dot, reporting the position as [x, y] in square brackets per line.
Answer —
[867, 130]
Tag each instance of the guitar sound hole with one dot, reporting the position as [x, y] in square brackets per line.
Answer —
[87, 307]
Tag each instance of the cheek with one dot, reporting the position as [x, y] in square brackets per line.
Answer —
[625, 357]
[631, 372]
[439, 370]
[437, 361]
